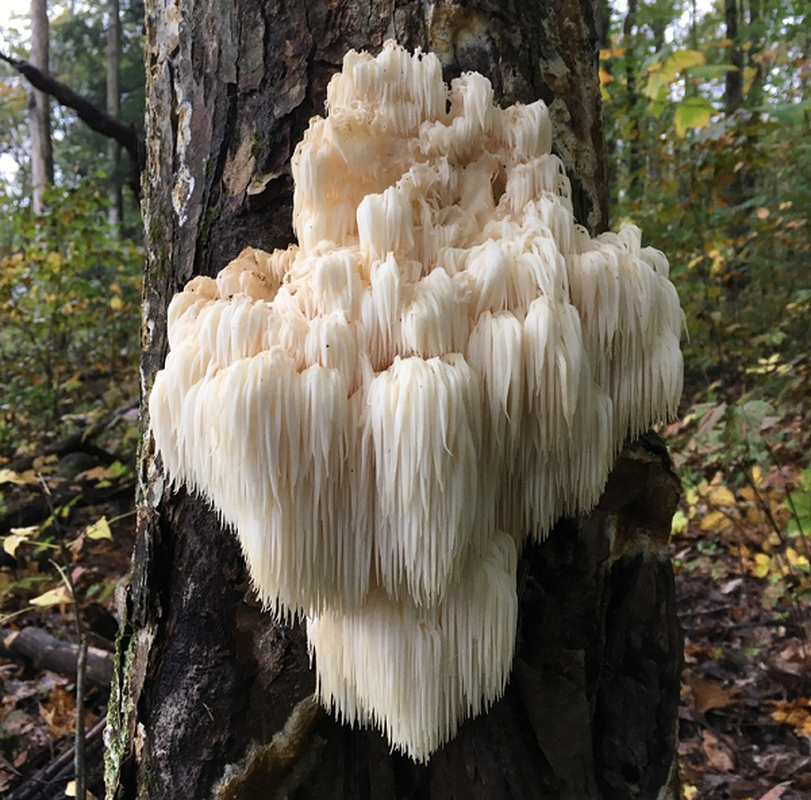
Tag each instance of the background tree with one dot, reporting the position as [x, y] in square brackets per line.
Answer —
[39, 110]
[114, 109]
[210, 690]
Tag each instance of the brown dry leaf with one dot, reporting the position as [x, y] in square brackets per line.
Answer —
[747, 493]
[97, 474]
[59, 712]
[796, 713]
[708, 695]
[719, 756]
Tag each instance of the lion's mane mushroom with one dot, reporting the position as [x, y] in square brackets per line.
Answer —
[444, 365]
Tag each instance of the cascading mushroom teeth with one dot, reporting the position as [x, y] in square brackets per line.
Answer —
[443, 366]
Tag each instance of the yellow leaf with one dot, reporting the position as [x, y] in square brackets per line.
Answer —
[53, 597]
[795, 559]
[747, 493]
[10, 476]
[99, 530]
[54, 260]
[721, 496]
[714, 521]
[613, 52]
[605, 77]
[11, 543]
[116, 303]
[761, 566]
[748, 77]
[757, 476]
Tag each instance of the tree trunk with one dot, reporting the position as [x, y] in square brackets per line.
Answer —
[39, 109]
[114, 194]
[636, 167]
[212, 698]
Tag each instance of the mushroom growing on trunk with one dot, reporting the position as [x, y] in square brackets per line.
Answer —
[443, 366]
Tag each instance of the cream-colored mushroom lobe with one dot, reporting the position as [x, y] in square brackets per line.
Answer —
[444, 366]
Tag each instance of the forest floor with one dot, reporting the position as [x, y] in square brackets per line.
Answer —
[741, 549]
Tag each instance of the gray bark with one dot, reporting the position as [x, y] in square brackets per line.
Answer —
[211, 697]
[39, 109]
[116, 208]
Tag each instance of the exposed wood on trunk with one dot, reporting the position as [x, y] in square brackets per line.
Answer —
[598, 624]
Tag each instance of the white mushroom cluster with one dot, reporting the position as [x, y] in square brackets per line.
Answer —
[445, 364]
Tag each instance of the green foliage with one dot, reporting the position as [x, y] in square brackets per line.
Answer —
[711, 157]
[69, 295]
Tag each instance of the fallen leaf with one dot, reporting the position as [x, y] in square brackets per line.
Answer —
[760, 568]
[731, 586]
[99, 530]
[714, 521]
[70, 791]
[796, 713]
[97, 474]
[795, 559]
[776, 792]
[708, 695]
[53, 597]
[719, 756]
[10, 476]
[11, 543]
[721, 496]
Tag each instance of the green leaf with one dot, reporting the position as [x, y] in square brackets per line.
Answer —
[662, 74]
[692, 112]
[710, 70]
[791, 113]
[682, 59]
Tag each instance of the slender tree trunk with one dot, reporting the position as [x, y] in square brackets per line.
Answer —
[116, 209]
[733, 91]
[39, 109]
[635, 160]
[212, 698]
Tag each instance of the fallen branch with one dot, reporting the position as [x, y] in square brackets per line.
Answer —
[97, 119]
[76, 441]
[49, 781]
[43, 651]
[38, 509]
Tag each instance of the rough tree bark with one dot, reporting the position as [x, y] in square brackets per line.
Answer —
[211, 697]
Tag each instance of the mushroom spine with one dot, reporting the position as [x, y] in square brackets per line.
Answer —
[444, 365]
